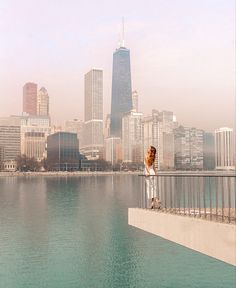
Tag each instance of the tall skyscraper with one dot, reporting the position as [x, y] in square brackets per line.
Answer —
[34, 132]
[92, 146]
[107, 126]
[208, 151]
[158, 132]
[224, 145]
[132, 144]
[188, 148]
[135, 100]
[113, 150]
[121, 101]
[9, 138]
[43, 102]
[30, 98]
[75, 126]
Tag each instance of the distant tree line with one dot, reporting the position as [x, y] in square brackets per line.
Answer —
[24, 164]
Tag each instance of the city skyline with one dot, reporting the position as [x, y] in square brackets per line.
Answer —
[175, 54]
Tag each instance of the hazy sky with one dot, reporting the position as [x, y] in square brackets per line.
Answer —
[182, 55]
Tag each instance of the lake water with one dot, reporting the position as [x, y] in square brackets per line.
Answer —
[73, 232]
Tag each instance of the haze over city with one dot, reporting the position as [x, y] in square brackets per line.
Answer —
[182, 55]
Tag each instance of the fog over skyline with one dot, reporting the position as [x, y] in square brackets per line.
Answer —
[182, 55]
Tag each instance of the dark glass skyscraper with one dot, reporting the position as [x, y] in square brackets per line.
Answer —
[121, 101]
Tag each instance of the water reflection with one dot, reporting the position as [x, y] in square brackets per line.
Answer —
[73, 232]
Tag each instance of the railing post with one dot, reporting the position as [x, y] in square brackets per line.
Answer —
[183, 190]
[210, 198]
[199, 199]
[175, 196]
[234, 185]
[217, 191]
[179, 198]
[164, 189]
[204, 197]
[223, 199]
[229, 196]
[193, 199]
[142, 192]
[171, 193]
[189, 194]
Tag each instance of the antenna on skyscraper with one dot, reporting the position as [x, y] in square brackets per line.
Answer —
[123, 33]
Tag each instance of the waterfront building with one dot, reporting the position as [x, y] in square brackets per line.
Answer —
[10, 165]
[30, 98]
[113, 150]
[62, 151]
[148, 138]
[224, 148]
[158, 132]
[93, 144]
[43, 102]
[75, 126]
[132, 144]
[208, 151]
[121, 101]
[135, 101]
[1, 155]
[9, 138]
[165, 125]
[188, 148]
[107, 125]
[34, 132]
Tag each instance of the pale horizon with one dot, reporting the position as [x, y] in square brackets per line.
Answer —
[182, 55]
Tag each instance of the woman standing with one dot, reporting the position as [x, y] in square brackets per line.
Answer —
[150, 171]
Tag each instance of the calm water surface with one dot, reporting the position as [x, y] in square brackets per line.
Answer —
[73, 232]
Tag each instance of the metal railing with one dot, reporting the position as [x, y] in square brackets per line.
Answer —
[211, 197]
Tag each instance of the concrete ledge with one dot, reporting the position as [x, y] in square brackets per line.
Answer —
[214, 239]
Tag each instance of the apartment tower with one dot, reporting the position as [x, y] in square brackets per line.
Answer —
[92, 146]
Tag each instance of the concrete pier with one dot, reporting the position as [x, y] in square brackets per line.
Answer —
[214, 239]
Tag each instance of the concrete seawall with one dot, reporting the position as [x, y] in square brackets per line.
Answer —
[66, 174]
[214, 239]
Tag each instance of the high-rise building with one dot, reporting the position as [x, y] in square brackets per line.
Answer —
[188, 148]
[224, 148]
[135, 101]
[93, 144]
[34, 132]
[158, 132]
[30, 98]
[113, 150]
[208, 151]
[75, 126]
[165, 123]
[9, 138]
[148, 139]
[43, 102]
[132, 144]
[121, 101]
[107, 126]
[62, 151]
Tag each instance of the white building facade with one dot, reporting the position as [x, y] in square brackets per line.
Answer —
[43, 102]
[113, 150]
[224, 148]
[188, 148]
[132, 143]
[34, 133]
[158, 132]
[93, 145]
